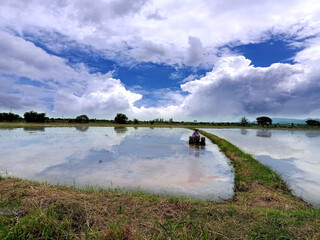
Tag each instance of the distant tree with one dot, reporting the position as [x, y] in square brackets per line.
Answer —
[244, 121]
[264, 121]
[121, 118]
[9, 117]
[135, 121]
[171, 120]
[313, 122]
[158, 120]
[34, 117]
[82, 119]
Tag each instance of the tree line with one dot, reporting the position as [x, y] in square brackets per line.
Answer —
[121, 118]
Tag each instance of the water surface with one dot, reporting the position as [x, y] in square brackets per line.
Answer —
[294, 154]
[156, 160]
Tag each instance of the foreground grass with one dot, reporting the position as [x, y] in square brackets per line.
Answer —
[262, 208]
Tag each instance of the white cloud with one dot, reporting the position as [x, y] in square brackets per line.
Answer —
[310, 55]
[125, 26]
[193, 33]
[194, 52]
[98, 11]
[31, 79]
[161, 98]
[235, 88]
[191, 77]
[103, 97]
[23, 58]
[148, 51]
[156, 15]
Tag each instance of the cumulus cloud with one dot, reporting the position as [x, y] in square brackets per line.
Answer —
[156, 15]
[235, 87]
[310, 54]
[191, 77]
[161, 98]
[122, 25]
[8, 101]
[191, 33]
[194, 52]
[98, 11]
[23, 58]
[149, 52]
[31, 79]
[103, 97]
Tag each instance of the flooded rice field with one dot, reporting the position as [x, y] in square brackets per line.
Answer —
[294, 154]
[158, 160]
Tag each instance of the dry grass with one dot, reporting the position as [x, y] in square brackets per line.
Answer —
[114, 215]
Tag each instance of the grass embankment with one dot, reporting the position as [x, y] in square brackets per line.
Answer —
[262, 208]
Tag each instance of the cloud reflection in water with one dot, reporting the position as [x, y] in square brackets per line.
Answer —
[157, 160]
[293, 154]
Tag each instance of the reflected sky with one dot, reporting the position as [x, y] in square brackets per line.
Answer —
[157, 160]
[294, 154]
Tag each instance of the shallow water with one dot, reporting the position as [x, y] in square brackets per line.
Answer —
[294, 154]
[156, 160]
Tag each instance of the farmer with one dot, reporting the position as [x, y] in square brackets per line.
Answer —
[195, 133]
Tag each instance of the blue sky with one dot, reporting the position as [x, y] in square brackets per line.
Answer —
[186, 60]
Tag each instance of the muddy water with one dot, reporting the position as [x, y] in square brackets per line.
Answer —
[294, 154]
[156, 160]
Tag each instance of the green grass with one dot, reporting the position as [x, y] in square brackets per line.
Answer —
[261, 208]
[247, 169]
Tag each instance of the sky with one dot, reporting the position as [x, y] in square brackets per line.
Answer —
[204, 60]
